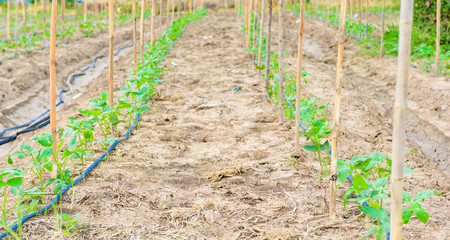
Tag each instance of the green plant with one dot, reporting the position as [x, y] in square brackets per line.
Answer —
[69, 224]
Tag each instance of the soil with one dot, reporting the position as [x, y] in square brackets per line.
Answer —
[228, 171]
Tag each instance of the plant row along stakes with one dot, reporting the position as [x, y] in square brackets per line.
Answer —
[53, 84]
[280, 62]
[398, 140]
[299, 74]
[336, 109]
[140, 89]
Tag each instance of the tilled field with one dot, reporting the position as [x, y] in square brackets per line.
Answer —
[208, 163]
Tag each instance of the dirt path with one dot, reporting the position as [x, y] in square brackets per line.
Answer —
[224, 172]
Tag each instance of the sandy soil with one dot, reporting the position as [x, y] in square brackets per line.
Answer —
[227, 172]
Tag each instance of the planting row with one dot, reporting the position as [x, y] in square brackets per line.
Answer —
[369, 175]
[92, 132]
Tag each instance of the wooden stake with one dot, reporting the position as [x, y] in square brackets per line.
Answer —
[398, 138]
[269, 35]
[53, 86]
[360, 19]
[160, 18]
[299, 73]
[382, 28]
[111, 52]
[85, 9]
[255, 27]
[261, 37]
[167, 11]
[173, 11]
[17, 21]
[246, 21]
[63, 6]
[24, 13]
[367, 21]
[35, 8]
[337, 105]
[43, 12]
[8, 20]
[438, 34]
[152, 24]
[142, 32]
[133, 7]
[280, 63]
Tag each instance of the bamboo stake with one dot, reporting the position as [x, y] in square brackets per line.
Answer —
[85, 9]
[299, 73]
[269, 36]
[173, 11]
[250, 9]
[382, 28]
[35, 8]
[246, 21]
[17, 20]
[398, 140]
[438, 35]
[133, 7]
[280, 63]
[360, 19]
[255, 27]
[43, 12]
[261, 37]
[152, 37]
[53, 85]
[24, 14]
[111, 51]
[179, 8]
[160, 17]
[142, 32]
[367, 21]
[167, 11]
[8, 20]
[336, 110]
[63, 6]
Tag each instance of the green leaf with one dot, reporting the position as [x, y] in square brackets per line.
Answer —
[310, 148]
[421, 196]
[359, 183]
[26, 147]
[381, 182]
[406, 215]
[373, 212]
[16, 191]
[346, 195]
[104, 95]
[422, 215]
[343, 174]
[406, 197]
[73, 140]
[372, 231]
[14, 182]
[2, 184]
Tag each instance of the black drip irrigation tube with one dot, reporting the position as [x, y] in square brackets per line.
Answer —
[43, 119]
